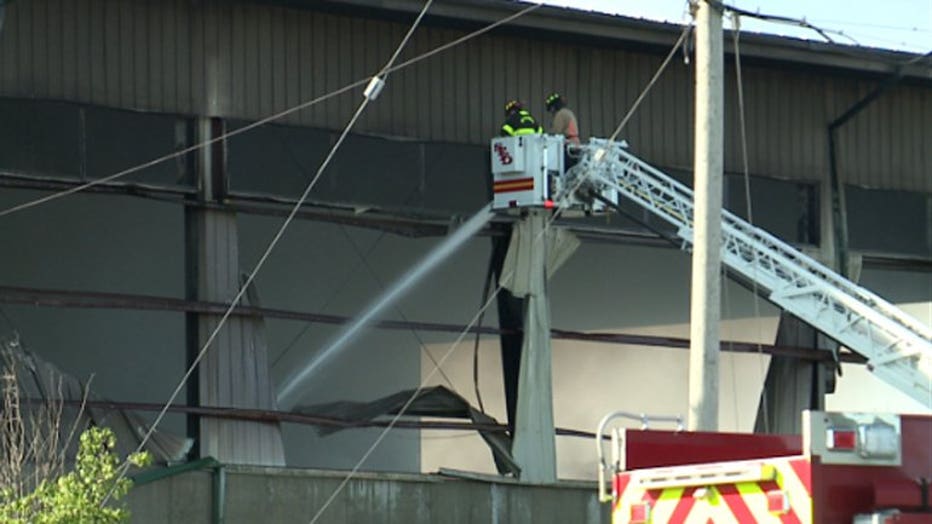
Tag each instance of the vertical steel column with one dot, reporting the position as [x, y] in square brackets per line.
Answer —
[534, 448]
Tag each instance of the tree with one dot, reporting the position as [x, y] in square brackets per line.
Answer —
[79, 495]
[36, 483]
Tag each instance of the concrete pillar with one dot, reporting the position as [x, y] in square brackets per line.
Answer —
[705, 298]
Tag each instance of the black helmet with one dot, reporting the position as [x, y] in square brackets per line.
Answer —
[512, 105]
[554, 100]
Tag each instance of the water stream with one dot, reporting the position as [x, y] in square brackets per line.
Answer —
[291, 388]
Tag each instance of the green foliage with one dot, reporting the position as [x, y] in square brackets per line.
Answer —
[77, 496]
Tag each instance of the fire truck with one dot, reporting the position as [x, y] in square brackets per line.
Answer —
[844, 468]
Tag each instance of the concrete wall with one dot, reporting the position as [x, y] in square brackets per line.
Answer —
[290, 496]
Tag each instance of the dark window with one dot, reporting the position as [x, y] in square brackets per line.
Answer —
[889, 221]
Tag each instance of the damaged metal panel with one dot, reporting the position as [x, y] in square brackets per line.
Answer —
[43, 386]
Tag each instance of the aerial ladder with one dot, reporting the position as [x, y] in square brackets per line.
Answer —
[528, 171]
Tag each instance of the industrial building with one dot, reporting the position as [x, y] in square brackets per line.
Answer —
[125, 280]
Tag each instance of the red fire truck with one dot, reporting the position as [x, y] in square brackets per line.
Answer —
[845, 468]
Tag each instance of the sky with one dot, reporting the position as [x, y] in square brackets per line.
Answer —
[903, 25]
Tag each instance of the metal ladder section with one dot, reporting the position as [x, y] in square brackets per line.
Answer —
[898, 348]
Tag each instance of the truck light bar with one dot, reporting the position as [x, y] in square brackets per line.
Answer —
[726, 473]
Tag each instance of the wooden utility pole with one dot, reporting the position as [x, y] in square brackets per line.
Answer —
[705, 300]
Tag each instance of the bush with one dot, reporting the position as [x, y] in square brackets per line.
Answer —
[81, 495]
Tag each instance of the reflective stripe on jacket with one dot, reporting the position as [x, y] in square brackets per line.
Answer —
[521, 123]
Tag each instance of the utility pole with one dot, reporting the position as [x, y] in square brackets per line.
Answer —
[705, 298]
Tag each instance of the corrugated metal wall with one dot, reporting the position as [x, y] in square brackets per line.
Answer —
[167, 55]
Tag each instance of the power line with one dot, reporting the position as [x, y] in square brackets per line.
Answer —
[271, 118]
[466, 330]
[653, 80]
[372, 91]
[742, 122]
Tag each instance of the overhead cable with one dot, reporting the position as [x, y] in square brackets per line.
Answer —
[370, 94]
[742, 122]
[465, 331]
[271, 118]
[653, 80]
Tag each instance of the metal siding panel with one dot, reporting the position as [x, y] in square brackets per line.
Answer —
[238, 50]
[645, 67]
[596, 78]
[463, 113]
[758, 127]
[920, 116]
[290, 54]
[888, 128]
[656, 113]
[631, 80]
[218, 48]
[783, 110]
[280, 72]
[98, 63]
[347, 102]
[184, 62]
[446, 95]
[317, 50]
[584, 66]
[38, 57]
[56, 49]
[389, 114]
[125, 63]
[307, 68]
[153, 43]
[143, 58]
[903, 138]
[10, 49]
[488, 111]
[415, 109]
[162, 39]
[251, 71]
[864, 124]
[84, 62]
[265, 64]
[150, 56]
[111, 52]
[617, 98]
[475, 105]
[364, 65]
[327, 46]
[798, 130]
[771, 107]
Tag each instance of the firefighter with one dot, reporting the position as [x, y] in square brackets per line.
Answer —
[518, 121]
[564, 121]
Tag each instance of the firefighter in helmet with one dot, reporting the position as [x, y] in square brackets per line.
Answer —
[518, 121]
[564, 121]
